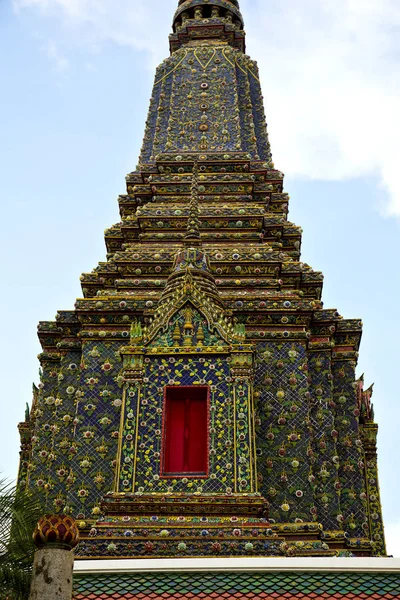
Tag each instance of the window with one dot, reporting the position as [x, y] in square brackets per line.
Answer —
[185, 439]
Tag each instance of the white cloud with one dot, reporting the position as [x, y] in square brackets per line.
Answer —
[329, 70]
[61, 63]
[133, 23]
[393, 539]
[330, 77]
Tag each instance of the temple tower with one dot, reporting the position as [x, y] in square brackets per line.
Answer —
[199, 400]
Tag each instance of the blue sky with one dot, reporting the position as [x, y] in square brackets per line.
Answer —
[76, 81]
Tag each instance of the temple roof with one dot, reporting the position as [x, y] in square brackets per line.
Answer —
[339, 585]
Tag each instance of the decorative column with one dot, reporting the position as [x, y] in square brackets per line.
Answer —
[55, 537]
[242, 371]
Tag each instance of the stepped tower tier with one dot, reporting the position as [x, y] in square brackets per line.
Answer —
[199, 399]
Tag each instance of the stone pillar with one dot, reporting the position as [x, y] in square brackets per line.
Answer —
[55, 537]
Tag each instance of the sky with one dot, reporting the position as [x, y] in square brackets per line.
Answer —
[76, 78]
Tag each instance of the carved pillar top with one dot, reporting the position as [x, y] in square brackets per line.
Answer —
[58, 531]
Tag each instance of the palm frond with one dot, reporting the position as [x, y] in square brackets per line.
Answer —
[19, 513]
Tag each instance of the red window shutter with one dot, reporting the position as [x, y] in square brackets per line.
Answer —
[185, 443]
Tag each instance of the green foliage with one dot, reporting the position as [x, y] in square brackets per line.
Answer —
[19, 514]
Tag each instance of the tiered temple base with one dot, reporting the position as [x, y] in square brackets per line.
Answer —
[169, 527]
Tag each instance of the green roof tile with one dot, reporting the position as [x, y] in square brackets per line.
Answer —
[240, 586]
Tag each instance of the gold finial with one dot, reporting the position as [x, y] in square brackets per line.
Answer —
[188, 328]
[176, 336]
[188, 319]
[200, 335]
[136, 333]
[240, 332]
